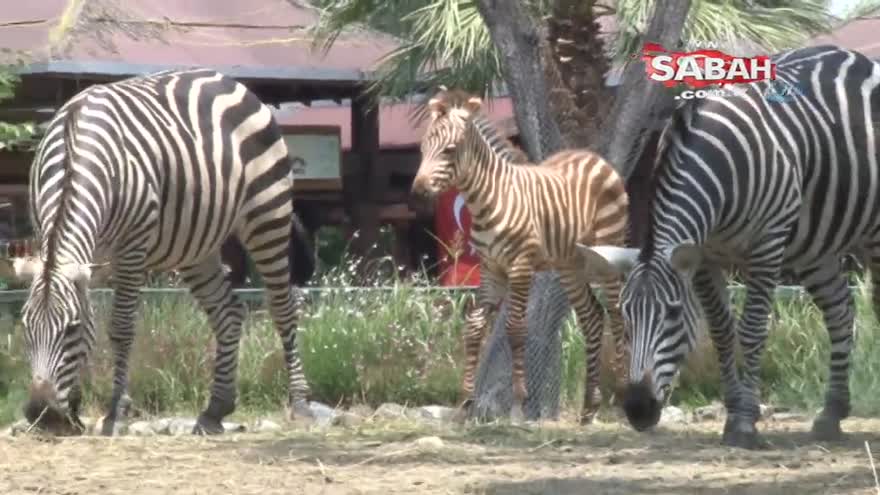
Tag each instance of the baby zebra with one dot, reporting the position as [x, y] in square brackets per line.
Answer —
[526, 219]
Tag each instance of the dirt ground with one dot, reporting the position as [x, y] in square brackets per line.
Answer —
[402, 458]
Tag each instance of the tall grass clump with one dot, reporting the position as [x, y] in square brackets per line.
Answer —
[403, 345]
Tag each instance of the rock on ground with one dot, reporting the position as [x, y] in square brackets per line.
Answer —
[322, 414]
[712, 412]
[265, 425]
[673, 415]
[437, 413]
[141, 429]
[430, 443]
[390, 410]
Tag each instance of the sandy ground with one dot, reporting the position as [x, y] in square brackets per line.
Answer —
[398, 459]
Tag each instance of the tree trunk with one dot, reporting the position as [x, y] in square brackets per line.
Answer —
[576, 69]
[642, 106]
[516, 36]
[564, 77]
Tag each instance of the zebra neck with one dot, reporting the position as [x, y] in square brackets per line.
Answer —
[669, 230]
[486, 167]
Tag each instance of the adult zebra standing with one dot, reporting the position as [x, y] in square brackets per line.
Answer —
[763, 185]
[525, 219]
[154, 173]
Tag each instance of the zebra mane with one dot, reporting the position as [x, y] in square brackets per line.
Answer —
[496, 141]
[53, 235]
[677, 123]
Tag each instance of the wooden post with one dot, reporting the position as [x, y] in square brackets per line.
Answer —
[365, 191]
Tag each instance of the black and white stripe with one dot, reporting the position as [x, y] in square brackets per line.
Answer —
[763, 186]
[155, 173]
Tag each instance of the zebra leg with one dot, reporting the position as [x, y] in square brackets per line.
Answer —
[710, 288]
[209, 286]
[520, 281]
[478, 320]
[829, 287]
[128, 280]
[762, 276]
[611, 288]
[591, 321]
[268, 247]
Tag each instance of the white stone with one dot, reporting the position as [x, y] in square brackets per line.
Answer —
[181, 426]
[673, 415]
[712, 412]
[439, 413]
[430, 442]
[141, 429]
[322, 414]
[390, 410]
[265, 426]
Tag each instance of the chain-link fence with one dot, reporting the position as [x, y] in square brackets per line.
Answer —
[547, 311]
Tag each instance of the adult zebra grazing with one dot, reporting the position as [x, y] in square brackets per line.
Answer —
[763, 185]
[525, 219]
[154, 173]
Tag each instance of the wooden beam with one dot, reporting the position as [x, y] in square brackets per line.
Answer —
[361, 192]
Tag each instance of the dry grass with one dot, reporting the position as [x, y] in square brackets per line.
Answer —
[387, 458]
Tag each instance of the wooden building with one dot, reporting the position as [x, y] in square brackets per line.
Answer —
[265, 44]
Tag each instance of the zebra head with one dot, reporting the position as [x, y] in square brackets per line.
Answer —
[58, 334]
[450, 112]
[660, 316]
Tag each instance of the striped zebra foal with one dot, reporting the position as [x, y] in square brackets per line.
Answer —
[153, 173]
[762, 185]
[525, 219]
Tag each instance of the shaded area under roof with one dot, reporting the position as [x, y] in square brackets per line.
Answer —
[397, 129]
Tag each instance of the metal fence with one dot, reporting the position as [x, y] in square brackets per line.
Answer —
[11, 300]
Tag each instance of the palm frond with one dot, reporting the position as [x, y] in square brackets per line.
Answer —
[773, 28]
[442, 42]
[864, 8]
[445, 42]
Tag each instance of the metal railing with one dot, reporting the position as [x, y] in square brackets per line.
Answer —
[10, 300]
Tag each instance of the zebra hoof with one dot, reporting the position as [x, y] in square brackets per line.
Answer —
[587, 418]
[827, 429]
[300, 411]
[516, 415]
[742, 435]
[207, 426]
[464, 412]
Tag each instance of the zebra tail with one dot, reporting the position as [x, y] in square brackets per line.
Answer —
[304, 256]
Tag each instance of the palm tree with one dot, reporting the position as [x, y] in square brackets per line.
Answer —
[446, 42]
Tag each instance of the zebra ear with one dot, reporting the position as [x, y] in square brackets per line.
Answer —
[437, 107]
[685, 258]
[474, 104]
[608, 261]
[26, 268]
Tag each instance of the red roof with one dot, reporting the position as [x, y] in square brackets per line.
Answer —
[253, 34]
[861, 34]
[397, 129]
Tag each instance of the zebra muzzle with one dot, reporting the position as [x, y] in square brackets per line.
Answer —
[42, 404]
[641, 407]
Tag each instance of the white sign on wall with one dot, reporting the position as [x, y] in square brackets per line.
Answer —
[314, 155]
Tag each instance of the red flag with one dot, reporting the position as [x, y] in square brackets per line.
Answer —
[459, 263]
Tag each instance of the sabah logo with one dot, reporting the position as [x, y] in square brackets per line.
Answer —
[780, 91]
[702, 68]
